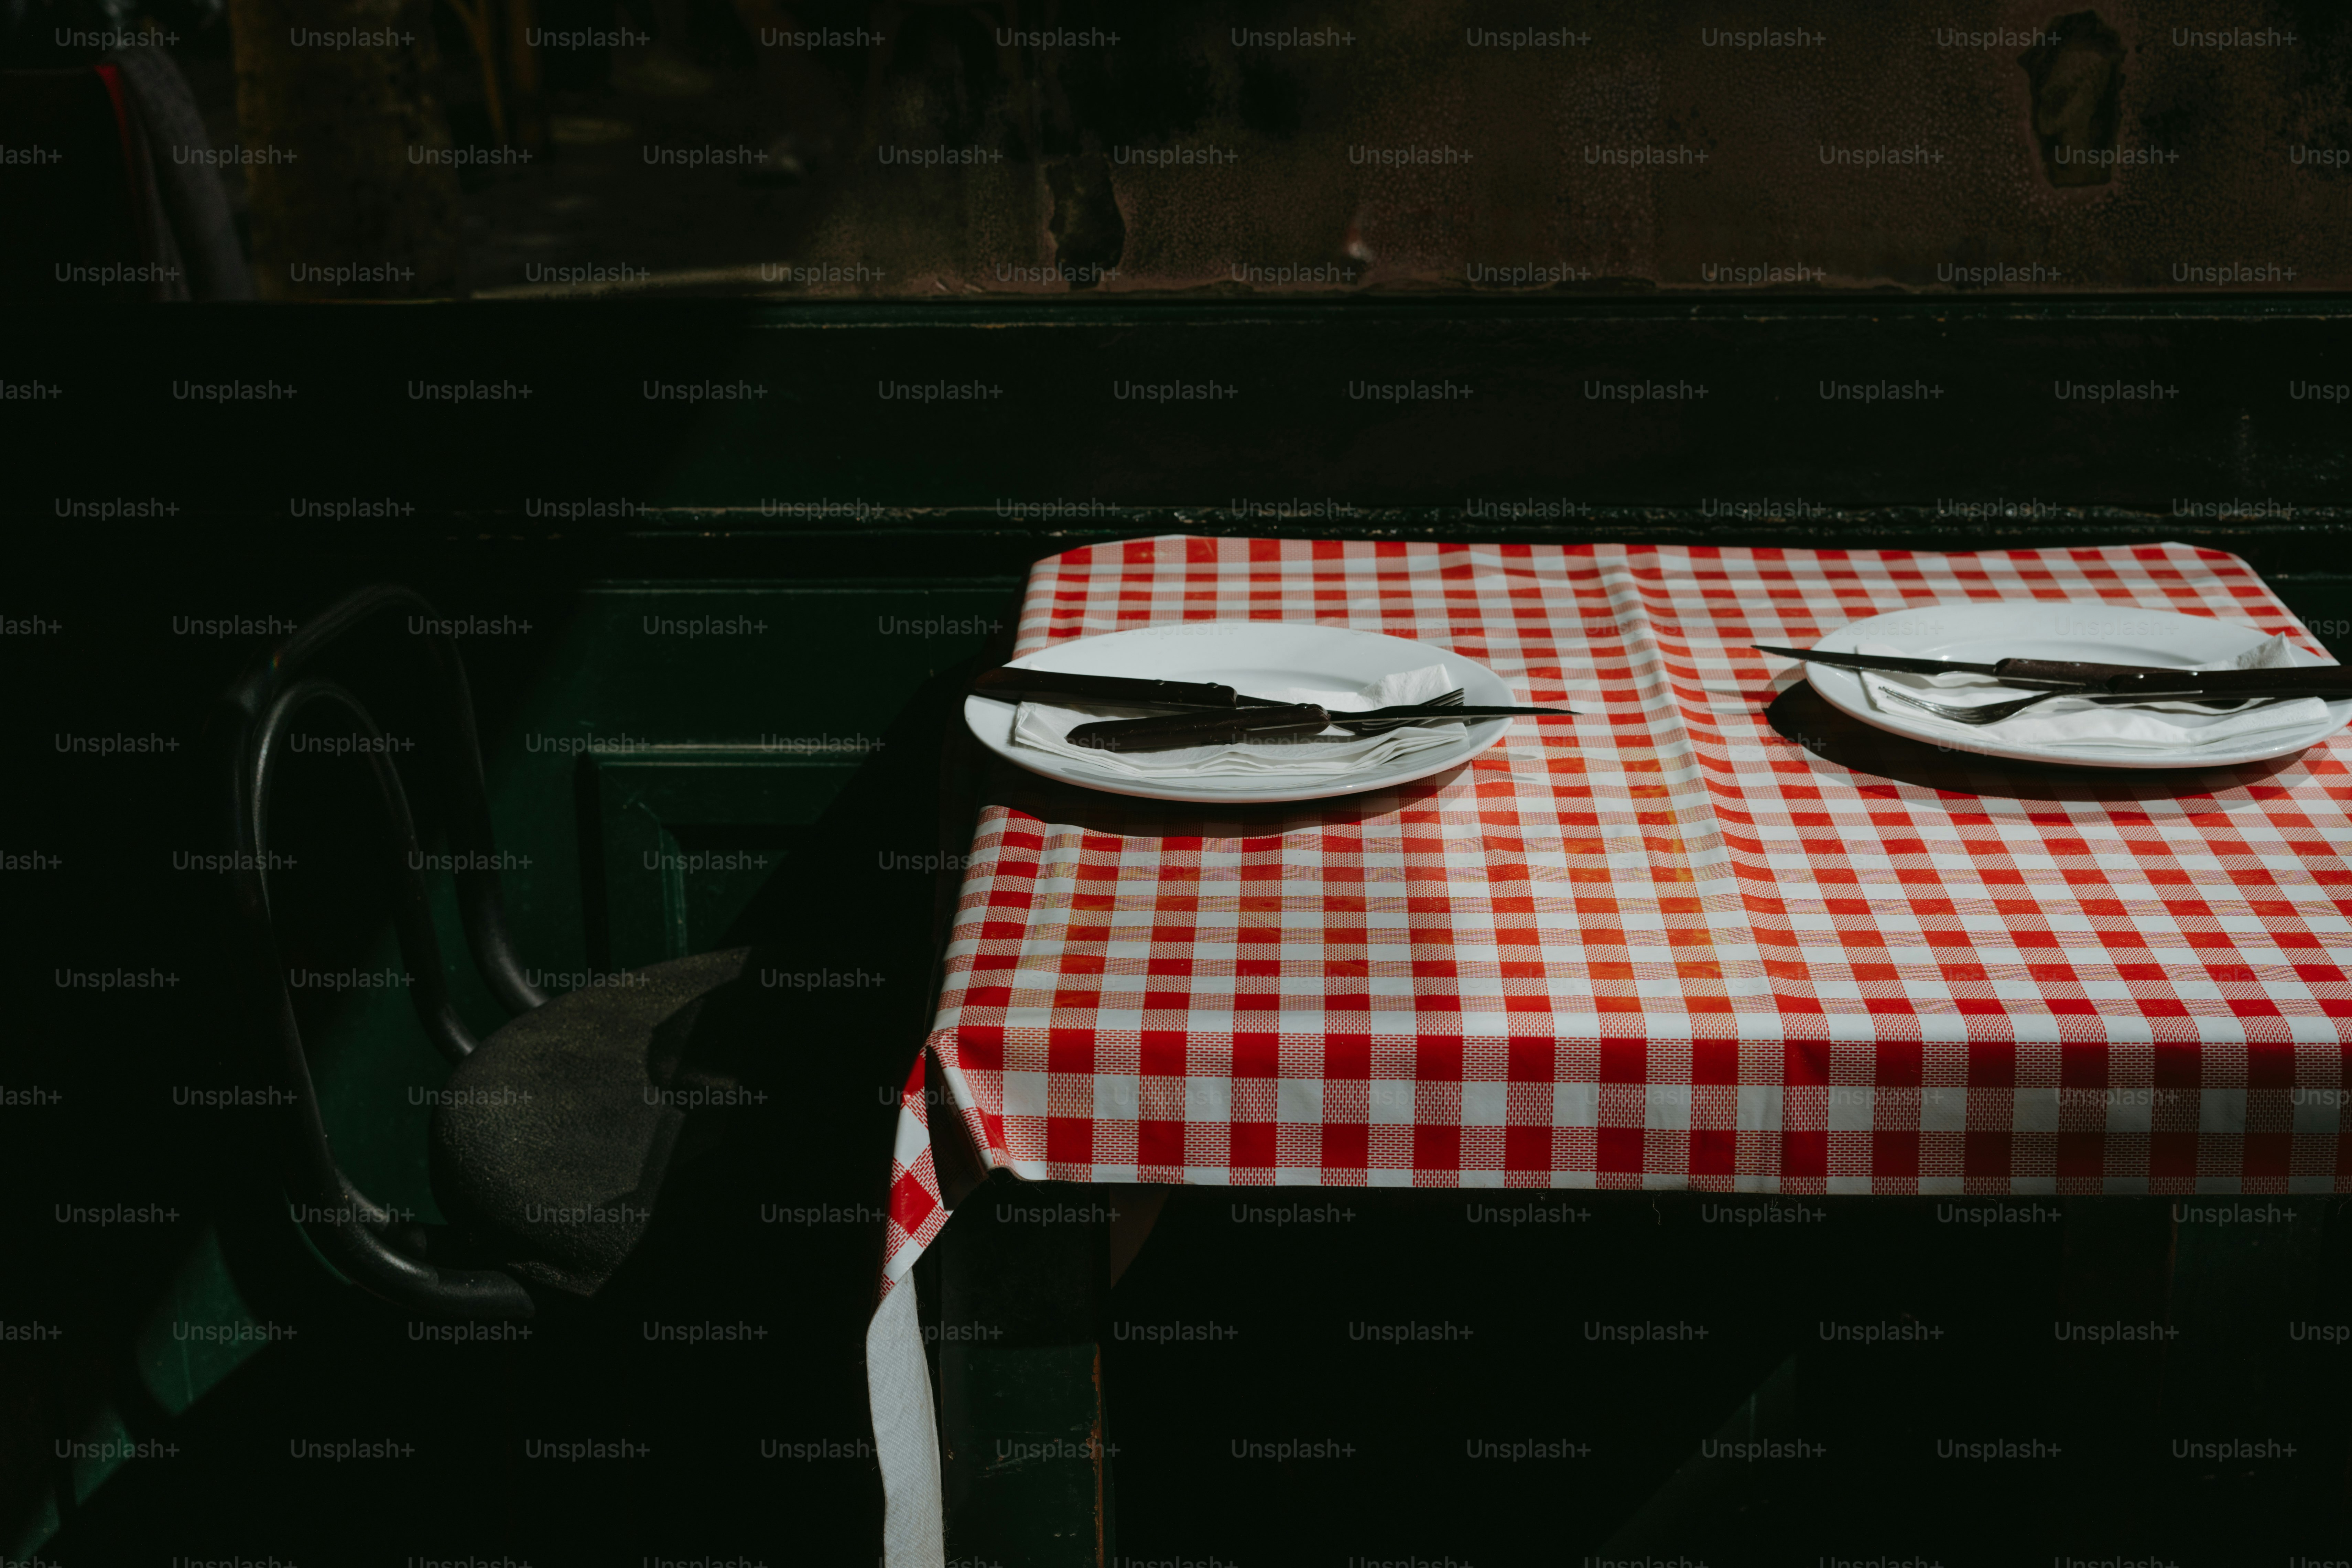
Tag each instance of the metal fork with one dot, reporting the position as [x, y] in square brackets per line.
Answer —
[1382, 726]
[1994, 712]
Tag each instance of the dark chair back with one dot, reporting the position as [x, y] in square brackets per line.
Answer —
[357, 1235]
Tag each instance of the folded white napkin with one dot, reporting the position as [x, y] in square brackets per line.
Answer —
[1335, 751]
[2071, 723]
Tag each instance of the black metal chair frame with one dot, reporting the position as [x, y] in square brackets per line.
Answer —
[362, 1240]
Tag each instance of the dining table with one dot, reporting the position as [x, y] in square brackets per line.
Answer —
[1709, 934]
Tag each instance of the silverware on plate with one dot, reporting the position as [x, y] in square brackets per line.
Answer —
[2094, 683]
[2056, 673]
[1173, 731]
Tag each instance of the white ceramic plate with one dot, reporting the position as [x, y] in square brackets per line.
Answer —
[1980, 633]
[1251, 656]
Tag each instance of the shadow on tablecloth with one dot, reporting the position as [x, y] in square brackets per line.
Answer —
[1132, 817]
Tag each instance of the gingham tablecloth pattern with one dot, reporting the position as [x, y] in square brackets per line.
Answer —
[1660, 946]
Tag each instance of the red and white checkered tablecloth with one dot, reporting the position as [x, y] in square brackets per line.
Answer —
[1660, 946]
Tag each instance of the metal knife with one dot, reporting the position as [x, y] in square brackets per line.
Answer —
[1176, 730]
[2144, 682]
[2033, 674]
[1007, 684]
